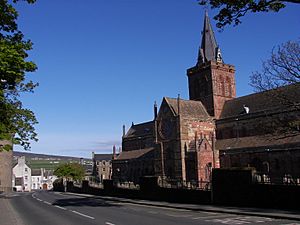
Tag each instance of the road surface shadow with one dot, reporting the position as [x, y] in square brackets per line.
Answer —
[84, 202]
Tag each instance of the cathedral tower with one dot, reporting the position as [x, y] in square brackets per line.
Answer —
[211, 81]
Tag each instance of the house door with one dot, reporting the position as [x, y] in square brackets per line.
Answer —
[45, 187]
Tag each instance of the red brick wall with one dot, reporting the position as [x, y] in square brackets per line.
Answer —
[212, 84]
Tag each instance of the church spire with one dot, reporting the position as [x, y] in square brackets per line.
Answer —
[209, 50]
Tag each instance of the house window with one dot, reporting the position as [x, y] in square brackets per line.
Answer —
[26, 170]
[26, 178]
[103, 169]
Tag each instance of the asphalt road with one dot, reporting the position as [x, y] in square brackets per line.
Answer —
[45, 208]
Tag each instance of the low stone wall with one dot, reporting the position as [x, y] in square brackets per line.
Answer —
[232, 187]
[236, 187]
[151, 192]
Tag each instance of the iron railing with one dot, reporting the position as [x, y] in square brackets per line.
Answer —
[286, 179]
[180, 184]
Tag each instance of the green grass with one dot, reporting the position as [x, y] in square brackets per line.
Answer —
[47, 164]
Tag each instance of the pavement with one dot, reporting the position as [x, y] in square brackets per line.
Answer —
[260, 212]
[8, 215]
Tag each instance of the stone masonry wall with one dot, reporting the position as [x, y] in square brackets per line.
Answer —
[5, 169]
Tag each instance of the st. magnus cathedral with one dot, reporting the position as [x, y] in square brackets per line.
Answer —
[187, 138]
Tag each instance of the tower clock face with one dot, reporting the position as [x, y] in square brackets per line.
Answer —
[165, 128]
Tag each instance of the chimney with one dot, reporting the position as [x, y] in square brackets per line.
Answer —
[123, 130]
[114, 152]
[155, 110]
[178, 104]
[93, 155]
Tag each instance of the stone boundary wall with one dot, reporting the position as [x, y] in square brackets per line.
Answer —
[5, 169]
[235, 187]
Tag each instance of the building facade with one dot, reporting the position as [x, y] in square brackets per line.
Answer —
[187, 138]
[22, 176]
[102, 168]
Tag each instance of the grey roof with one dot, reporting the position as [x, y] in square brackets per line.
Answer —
[276, 99]
[139, 130]
[100, 157]
[188, 108]
[262, 141]
[36, 172]
[135, 154]
[209, 47]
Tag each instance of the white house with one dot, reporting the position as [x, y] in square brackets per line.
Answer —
[36, 179]
[21, 176]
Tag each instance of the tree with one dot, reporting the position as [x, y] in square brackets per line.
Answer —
[70, 171]
[231, 11]
[16, 122]
[281, 69]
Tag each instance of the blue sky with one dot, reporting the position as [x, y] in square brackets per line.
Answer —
[102, 64]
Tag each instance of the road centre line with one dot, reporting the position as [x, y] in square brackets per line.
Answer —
[57, 206]
[108, 223]
[48, 203]
[81, 214]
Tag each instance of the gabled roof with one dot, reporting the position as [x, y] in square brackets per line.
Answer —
[188, 108]
[139, 130]
[100, 157]
[280, 98]
[134, 154]
[209, 50]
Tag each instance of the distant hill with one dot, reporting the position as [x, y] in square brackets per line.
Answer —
[44, 156]
[49, 162]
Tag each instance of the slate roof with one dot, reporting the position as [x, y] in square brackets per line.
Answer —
[188, 108]
[268, 100]
[100, 157]
[267, 141]
[36, 172]
[134, 154]
[139, 130]
[209, 46]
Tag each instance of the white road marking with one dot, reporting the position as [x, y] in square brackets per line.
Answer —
[153, 206]
[48, 203]
[152, 212]
[60, 207]
[81, 214]
[241, 220]
[108, 223]
[292, 224]
[39, 199]
[214, 216]
[177, 215]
